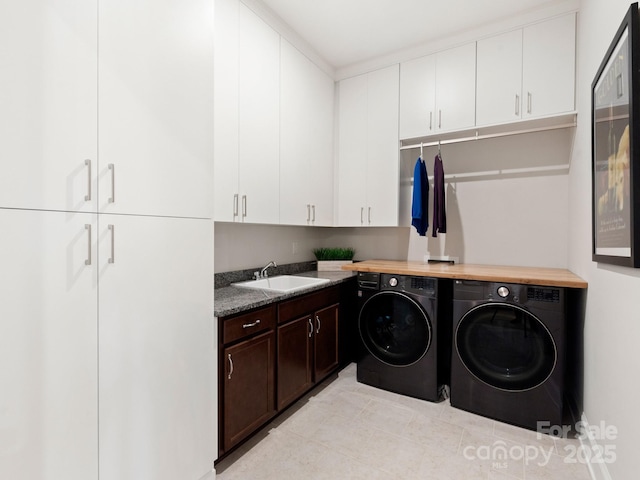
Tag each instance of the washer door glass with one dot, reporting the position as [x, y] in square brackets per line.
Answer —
[394, 328]
[505, 346]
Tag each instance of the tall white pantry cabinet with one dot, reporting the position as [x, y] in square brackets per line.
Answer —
[107, 360]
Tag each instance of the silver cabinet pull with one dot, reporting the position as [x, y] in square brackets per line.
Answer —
[317, 324]
[361, 215]
[244, 206]
[310, 328]
[112, 258]
[430, 120]
[112, 167]
[439, 118]
[528, 102]
[230, 366]
[87, 227]
[369, 216]
[249, 325]
[313, 210]
[235, 205]
[308, 213]
[517, 105]
[87, 197]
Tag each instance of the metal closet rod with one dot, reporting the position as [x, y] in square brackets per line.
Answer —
[485, 136]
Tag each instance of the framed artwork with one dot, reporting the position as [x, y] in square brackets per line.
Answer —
[615, 104]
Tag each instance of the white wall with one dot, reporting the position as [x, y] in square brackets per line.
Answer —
[612, 324]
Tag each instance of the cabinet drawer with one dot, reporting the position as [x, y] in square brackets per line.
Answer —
[235, 328]
[307, 303]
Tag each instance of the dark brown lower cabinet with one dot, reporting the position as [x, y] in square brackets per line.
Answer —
[272, 356]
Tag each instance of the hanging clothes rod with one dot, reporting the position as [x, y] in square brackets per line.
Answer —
[485, 136]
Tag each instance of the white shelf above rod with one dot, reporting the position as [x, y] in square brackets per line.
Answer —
[486, 136]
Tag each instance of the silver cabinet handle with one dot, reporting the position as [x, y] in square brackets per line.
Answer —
[517, 105]
[112, 167]
[310, 328]
[112, 258]
[313, 211]
[317, 324]
[87, 227]
[308, 213]
[439, 118]
[235, 205]
[244, 206]
[230, 366]
[528, 102]
[249, 325]
[361, 215]
[369, 216]
[87, 197]
[430, 120]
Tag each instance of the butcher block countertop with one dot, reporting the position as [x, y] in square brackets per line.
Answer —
[554, 277]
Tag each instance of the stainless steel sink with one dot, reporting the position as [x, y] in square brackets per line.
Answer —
[282, 283]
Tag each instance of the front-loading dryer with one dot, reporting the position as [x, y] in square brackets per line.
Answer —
[404, 326]
[508, 354]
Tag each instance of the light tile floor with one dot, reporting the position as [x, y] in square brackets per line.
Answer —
[347, 430]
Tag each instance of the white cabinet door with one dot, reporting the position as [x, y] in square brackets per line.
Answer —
[48, 346]
[225, 132]
[549, 50]
[417, 97]
[156, 348]
[306, 141]
[456, 88]
[259, 99]
[352, 151]
[499, 79]
[48, 98]
[155, 115]
[382, 146]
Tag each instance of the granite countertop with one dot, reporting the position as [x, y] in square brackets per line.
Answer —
[231, 300]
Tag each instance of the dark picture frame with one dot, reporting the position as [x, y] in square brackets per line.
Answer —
[615, 105]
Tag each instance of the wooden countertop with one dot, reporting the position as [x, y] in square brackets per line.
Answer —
[555, 277]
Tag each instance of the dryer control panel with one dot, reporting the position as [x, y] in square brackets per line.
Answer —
[425, 286]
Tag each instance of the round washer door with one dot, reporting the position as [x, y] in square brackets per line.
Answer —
[394, 328]
[505, 346]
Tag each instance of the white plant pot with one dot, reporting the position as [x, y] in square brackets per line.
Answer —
[332, 265]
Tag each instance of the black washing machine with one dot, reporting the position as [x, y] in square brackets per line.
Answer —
[508, 356]
[405, 330]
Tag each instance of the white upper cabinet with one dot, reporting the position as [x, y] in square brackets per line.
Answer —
[247, 123]
[499, 79]
[368, 149]
[48, 98]
[155, 115]
[225, 87]
[548, 67]
[306, 140]
[527, 73]
[437, 92]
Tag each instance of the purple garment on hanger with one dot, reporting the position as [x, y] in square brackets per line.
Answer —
[439, 213]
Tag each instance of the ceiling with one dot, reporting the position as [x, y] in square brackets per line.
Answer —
[345, 32]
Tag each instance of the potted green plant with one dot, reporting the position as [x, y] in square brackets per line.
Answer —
[332, 259]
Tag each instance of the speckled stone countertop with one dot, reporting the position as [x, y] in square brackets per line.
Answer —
[231, 300]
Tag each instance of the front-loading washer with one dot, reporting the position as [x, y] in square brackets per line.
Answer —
[405, 329]
[508, 353]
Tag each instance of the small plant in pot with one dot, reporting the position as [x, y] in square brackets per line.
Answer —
[332, 259]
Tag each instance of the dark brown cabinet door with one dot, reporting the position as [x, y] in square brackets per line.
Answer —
[249, 376]
[326, 341]
[294, 359]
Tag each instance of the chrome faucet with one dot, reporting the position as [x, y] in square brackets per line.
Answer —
[263, 272]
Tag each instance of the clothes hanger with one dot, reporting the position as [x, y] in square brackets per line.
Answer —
[439, 151]
[421, 152]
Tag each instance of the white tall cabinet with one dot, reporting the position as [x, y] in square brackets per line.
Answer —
[368, 149]
[107, 348]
